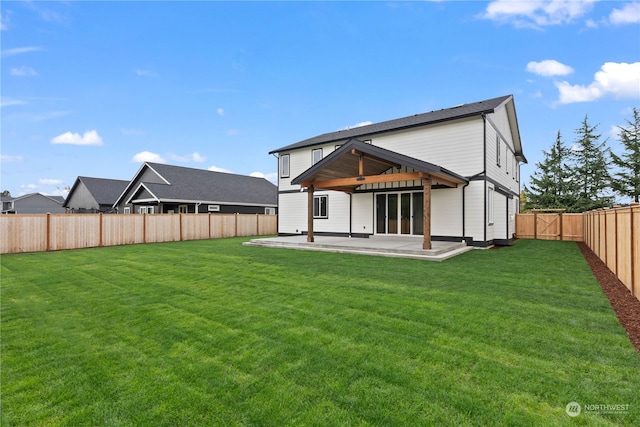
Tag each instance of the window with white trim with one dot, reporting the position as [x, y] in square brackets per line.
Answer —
[183, 209]
[213, 208]
[316, 155]
[490, 206]
[284, 166]
[320, 206]
[146, 209]
[127, 210]
[498, 150]
[269, 211]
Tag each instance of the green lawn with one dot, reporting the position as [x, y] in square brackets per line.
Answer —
[215, 333]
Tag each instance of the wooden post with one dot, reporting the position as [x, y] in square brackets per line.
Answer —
[426, 184]
[101, 242]
[561, 227]
[634, 249]
[310, 214]
[48, 232]
[535, 224]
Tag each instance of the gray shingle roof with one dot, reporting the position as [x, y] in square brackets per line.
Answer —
[457, 112]
[105, 191]
[204, 185]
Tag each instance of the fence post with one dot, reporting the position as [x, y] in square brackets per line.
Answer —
[48, 232]
[634, 249]
[180, 219]
[561, 227]
[235, 233]
[100, 229]
[535, 224]
[257, 224]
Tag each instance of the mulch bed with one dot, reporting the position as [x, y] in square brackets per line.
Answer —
[625, 305]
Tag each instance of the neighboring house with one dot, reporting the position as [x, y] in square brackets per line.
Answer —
[94, 195]
[32, 203]
[160, 188]
[370, 180]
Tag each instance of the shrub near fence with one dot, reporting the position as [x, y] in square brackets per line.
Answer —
[50, 232]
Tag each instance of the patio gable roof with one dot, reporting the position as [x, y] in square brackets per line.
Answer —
[357, 163]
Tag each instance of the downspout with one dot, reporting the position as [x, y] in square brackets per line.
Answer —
[198, 206]
[464, 208]
[484, 160]
[350, 215]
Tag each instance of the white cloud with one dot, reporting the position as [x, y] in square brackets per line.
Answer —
[20, 50]
[193, 157]
[90, 137]
[7, 102]
[536, 14]
[549, 67]
[23, 72]
[233, 132]
[147, 156]
[50, 181]
[273, 176]
[220, 111]
[629, 14]
[218, 169]
[29, 186]
[3, 22]
[618, 80]
[7, 158]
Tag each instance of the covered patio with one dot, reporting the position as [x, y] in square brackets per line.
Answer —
[356, 165]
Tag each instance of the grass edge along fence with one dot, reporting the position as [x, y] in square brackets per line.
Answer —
[612, 234]
[52, 232]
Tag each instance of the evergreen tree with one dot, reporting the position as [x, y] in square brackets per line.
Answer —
[550, 182]
[626, 182]
[589, 174]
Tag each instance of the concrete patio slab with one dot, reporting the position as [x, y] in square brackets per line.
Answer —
[389, 246]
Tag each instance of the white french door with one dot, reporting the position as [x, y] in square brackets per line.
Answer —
[399, 213]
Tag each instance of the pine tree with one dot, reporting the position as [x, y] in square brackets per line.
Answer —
[626, 182]
[550, 182]
[589, 174]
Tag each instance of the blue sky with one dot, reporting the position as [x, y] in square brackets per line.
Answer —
[96, 88]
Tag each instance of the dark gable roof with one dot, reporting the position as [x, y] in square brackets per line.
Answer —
[105, 191]
[457, 112]
[188, 184]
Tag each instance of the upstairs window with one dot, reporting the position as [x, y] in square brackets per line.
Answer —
[316, 156]
[498, 150]
[284, 166]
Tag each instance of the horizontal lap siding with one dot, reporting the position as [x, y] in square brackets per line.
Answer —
[455, 145]
[292, 213]
[338, 213]
[446, 212]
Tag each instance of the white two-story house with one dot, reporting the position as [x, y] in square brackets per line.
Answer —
[448, 175]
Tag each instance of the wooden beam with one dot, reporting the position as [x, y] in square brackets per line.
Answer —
[377, 159]
[310, 214]
[361, 165]
[360, 180]
[426, 226]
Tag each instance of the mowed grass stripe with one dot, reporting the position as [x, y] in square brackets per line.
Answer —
[214, 333]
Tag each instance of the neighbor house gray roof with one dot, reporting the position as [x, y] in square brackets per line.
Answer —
[104, 191]
[199, 185]
[457, 112]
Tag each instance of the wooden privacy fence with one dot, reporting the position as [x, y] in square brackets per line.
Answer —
[612, 234]
[52, 232]
[550, 226]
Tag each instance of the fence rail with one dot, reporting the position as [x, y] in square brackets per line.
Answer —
[51, 232]
[612, 234]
